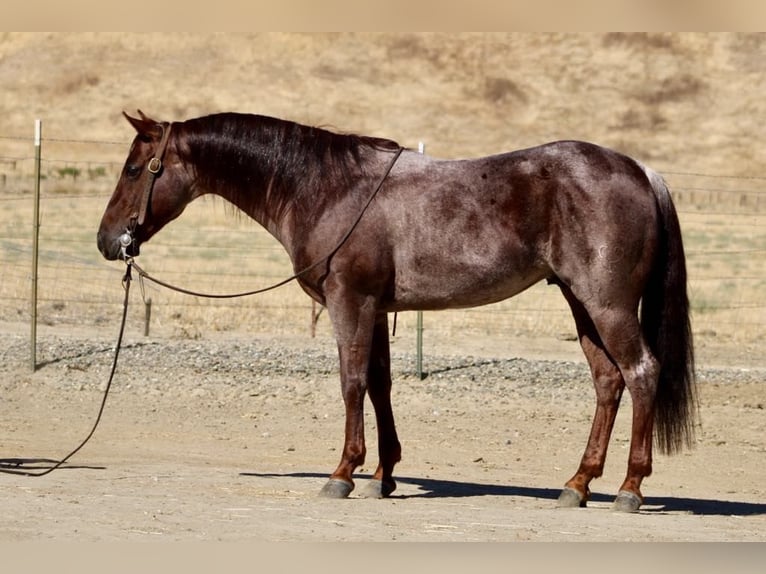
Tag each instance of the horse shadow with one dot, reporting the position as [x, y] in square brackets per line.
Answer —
[437, 488]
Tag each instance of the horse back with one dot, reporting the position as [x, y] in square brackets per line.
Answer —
[461, 233]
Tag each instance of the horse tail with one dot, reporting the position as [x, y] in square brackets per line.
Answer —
[666, 326]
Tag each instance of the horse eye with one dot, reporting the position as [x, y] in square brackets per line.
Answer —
[132, 170]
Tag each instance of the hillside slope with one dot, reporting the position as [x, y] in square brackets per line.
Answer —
[689, 102]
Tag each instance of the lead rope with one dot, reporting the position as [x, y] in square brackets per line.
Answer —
[16, 465]
[144, 275]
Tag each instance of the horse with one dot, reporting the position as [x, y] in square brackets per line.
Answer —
[373, 228]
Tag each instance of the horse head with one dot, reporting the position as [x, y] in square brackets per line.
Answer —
[153, 189]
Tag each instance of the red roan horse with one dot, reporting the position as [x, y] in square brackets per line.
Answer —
[378, 229]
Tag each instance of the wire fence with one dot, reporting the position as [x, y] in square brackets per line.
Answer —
[212, 248]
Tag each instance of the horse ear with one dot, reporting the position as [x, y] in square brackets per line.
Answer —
[145, 126]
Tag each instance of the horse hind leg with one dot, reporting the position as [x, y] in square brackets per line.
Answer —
[641, 372]
[609, 385]
[625, 345]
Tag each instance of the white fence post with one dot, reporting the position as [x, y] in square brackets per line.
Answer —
[419, 331]
[35, 245]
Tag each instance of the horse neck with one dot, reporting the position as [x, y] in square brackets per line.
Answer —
[245, 179]
[256, 203]
[265, 189]
[280, 173]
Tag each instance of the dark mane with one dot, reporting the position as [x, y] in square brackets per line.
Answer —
[247, 154]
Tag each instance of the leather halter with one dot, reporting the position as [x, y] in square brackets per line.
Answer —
[153, 168]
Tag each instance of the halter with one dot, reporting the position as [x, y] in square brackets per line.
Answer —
[153, 168]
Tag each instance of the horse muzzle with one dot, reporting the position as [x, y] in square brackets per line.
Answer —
[119, 247]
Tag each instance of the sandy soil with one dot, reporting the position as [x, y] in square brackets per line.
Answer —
[231, 438]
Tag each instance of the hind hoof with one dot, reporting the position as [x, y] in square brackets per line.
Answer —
[626, 501]
[336, 488]
[377, 489]
[571, 498]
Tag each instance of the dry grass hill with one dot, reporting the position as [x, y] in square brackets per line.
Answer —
[681, 101]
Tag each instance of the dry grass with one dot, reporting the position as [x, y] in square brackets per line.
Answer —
[209, 249]
[672, 99]
[683, 103]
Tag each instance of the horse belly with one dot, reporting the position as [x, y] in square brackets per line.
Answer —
[433, 284]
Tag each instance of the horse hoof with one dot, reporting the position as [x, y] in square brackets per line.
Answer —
[377, 489]
[336, 488]
[571, 498]
[626, 501]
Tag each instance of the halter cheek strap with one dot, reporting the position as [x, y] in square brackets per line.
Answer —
[153, 168]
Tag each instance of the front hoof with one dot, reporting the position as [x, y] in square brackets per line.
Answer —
[626, 501]
[378, 489]
[336, 488]
[571, 498]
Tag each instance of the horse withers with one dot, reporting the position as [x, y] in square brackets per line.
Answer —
[372, 228]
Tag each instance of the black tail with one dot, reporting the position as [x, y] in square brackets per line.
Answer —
[666, 324]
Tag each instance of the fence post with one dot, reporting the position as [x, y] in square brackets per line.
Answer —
[314, 318]
[35, 245]
[147, 316]
[419, 328]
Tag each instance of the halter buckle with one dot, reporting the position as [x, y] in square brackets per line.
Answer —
[154, 166]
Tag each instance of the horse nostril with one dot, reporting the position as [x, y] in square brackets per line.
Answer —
[100, 243]
[109, 249]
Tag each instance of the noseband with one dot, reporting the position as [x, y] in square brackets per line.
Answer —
[153, 168]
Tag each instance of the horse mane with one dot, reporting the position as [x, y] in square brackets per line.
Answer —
[264, 163]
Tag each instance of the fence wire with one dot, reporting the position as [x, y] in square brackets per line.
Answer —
[210, 248]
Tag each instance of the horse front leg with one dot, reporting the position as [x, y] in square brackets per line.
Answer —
[353, 322]
[379, 380]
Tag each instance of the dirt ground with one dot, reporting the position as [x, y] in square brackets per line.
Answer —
[230, 439]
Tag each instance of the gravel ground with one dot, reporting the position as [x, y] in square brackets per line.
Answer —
[231, 437]
[258, 360]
